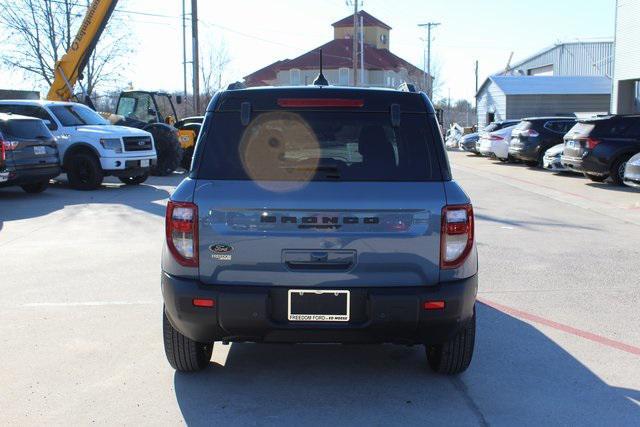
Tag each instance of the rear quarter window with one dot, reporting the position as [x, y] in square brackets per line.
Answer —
[319, 146]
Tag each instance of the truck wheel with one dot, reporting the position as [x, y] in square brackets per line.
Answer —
[168, 149]
[596, 178]
[617, 170]
[84, 172]
[184, 354]
[35, 187]
[454, 356]
[134, 180]
[186, 158]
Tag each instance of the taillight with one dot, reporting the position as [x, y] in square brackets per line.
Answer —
[9, 145]
[592, 142]
[456, 239]
[495, 137]
[3, 155]
[182, 232]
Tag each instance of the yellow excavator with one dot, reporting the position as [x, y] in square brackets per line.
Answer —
[150, 111]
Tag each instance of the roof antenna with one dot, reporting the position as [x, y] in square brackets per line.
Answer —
[320, 80]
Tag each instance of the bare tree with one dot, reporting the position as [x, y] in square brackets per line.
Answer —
[39, 32]
[214, 67]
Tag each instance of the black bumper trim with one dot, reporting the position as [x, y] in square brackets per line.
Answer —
[258, 314]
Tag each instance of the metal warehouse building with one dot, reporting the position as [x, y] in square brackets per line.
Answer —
[573, 77]
[626, 80]
[515, 97]
[568, 59]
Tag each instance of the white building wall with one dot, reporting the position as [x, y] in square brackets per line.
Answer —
[626, 84]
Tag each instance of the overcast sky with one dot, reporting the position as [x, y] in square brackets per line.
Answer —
[259, 32]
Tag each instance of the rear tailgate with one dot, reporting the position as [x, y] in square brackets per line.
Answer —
[324, 235]
[28, 144]
[575, 141]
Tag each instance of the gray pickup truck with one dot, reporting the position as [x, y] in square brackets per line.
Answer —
[320, 215]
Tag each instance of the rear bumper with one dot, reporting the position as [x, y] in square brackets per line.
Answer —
[259, 314]
[526, 153]
[28, 176]
[553, 164]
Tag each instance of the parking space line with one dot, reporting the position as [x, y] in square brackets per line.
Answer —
[562, 327]
[89, 303]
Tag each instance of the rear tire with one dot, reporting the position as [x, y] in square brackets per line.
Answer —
[617, 170]
[596, 178]
[168, 149]
[35, 187]
[454, 356]
[84, 172]
[184, 354]
[134, 180]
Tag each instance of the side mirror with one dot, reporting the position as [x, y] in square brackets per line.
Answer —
[178, 99]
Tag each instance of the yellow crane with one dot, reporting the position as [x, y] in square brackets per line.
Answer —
[151, 111]
[69, 68]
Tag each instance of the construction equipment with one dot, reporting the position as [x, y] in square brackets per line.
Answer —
[68, 72]
[142, 108]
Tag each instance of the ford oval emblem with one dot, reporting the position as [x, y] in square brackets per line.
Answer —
[221, 249]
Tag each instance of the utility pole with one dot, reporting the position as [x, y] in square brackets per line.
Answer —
[362, 50]
[476, 94]
[355, 42]
[429, 25]
[184, 48]
[196, 57]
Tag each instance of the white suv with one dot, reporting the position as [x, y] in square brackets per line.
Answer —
[89, 147]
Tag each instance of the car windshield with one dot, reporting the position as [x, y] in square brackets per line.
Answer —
[319, 146]
[76, 115]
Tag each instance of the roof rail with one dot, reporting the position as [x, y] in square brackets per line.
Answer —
[407, 87]
[236, 86]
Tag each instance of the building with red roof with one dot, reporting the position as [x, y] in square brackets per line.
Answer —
[382, 68]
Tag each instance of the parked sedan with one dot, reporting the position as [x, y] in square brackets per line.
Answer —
[29, 153]
[535, 135]
[492, 127]
[468, 142]
[632, 172]
[600, 148]
[496, 144]
[553, 159]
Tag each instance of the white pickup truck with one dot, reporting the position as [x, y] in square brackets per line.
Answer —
[89, 147]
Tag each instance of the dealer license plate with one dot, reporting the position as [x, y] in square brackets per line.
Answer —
[144, 163]
[306, 305]
[39, 150]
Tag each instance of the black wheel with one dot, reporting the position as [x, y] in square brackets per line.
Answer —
[617, 170]
[168, 149]
[134, 180]
[84, 172]
[454, 356]
[184, 354]
[596, 178]
[35, 187]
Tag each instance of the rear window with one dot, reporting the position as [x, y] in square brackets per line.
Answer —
[581, 130]
[25, 129]
[319, 146]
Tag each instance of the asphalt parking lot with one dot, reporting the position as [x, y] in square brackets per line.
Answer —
[558, 333]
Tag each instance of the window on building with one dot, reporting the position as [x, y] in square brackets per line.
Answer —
[294, 77]
[343, 77]
[390, 79]
[546, 70]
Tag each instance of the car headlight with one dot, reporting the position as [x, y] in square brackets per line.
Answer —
[113, 144]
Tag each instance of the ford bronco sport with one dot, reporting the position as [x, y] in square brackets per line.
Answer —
[320, 215]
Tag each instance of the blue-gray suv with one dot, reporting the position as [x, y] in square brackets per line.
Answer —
[320, 215]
